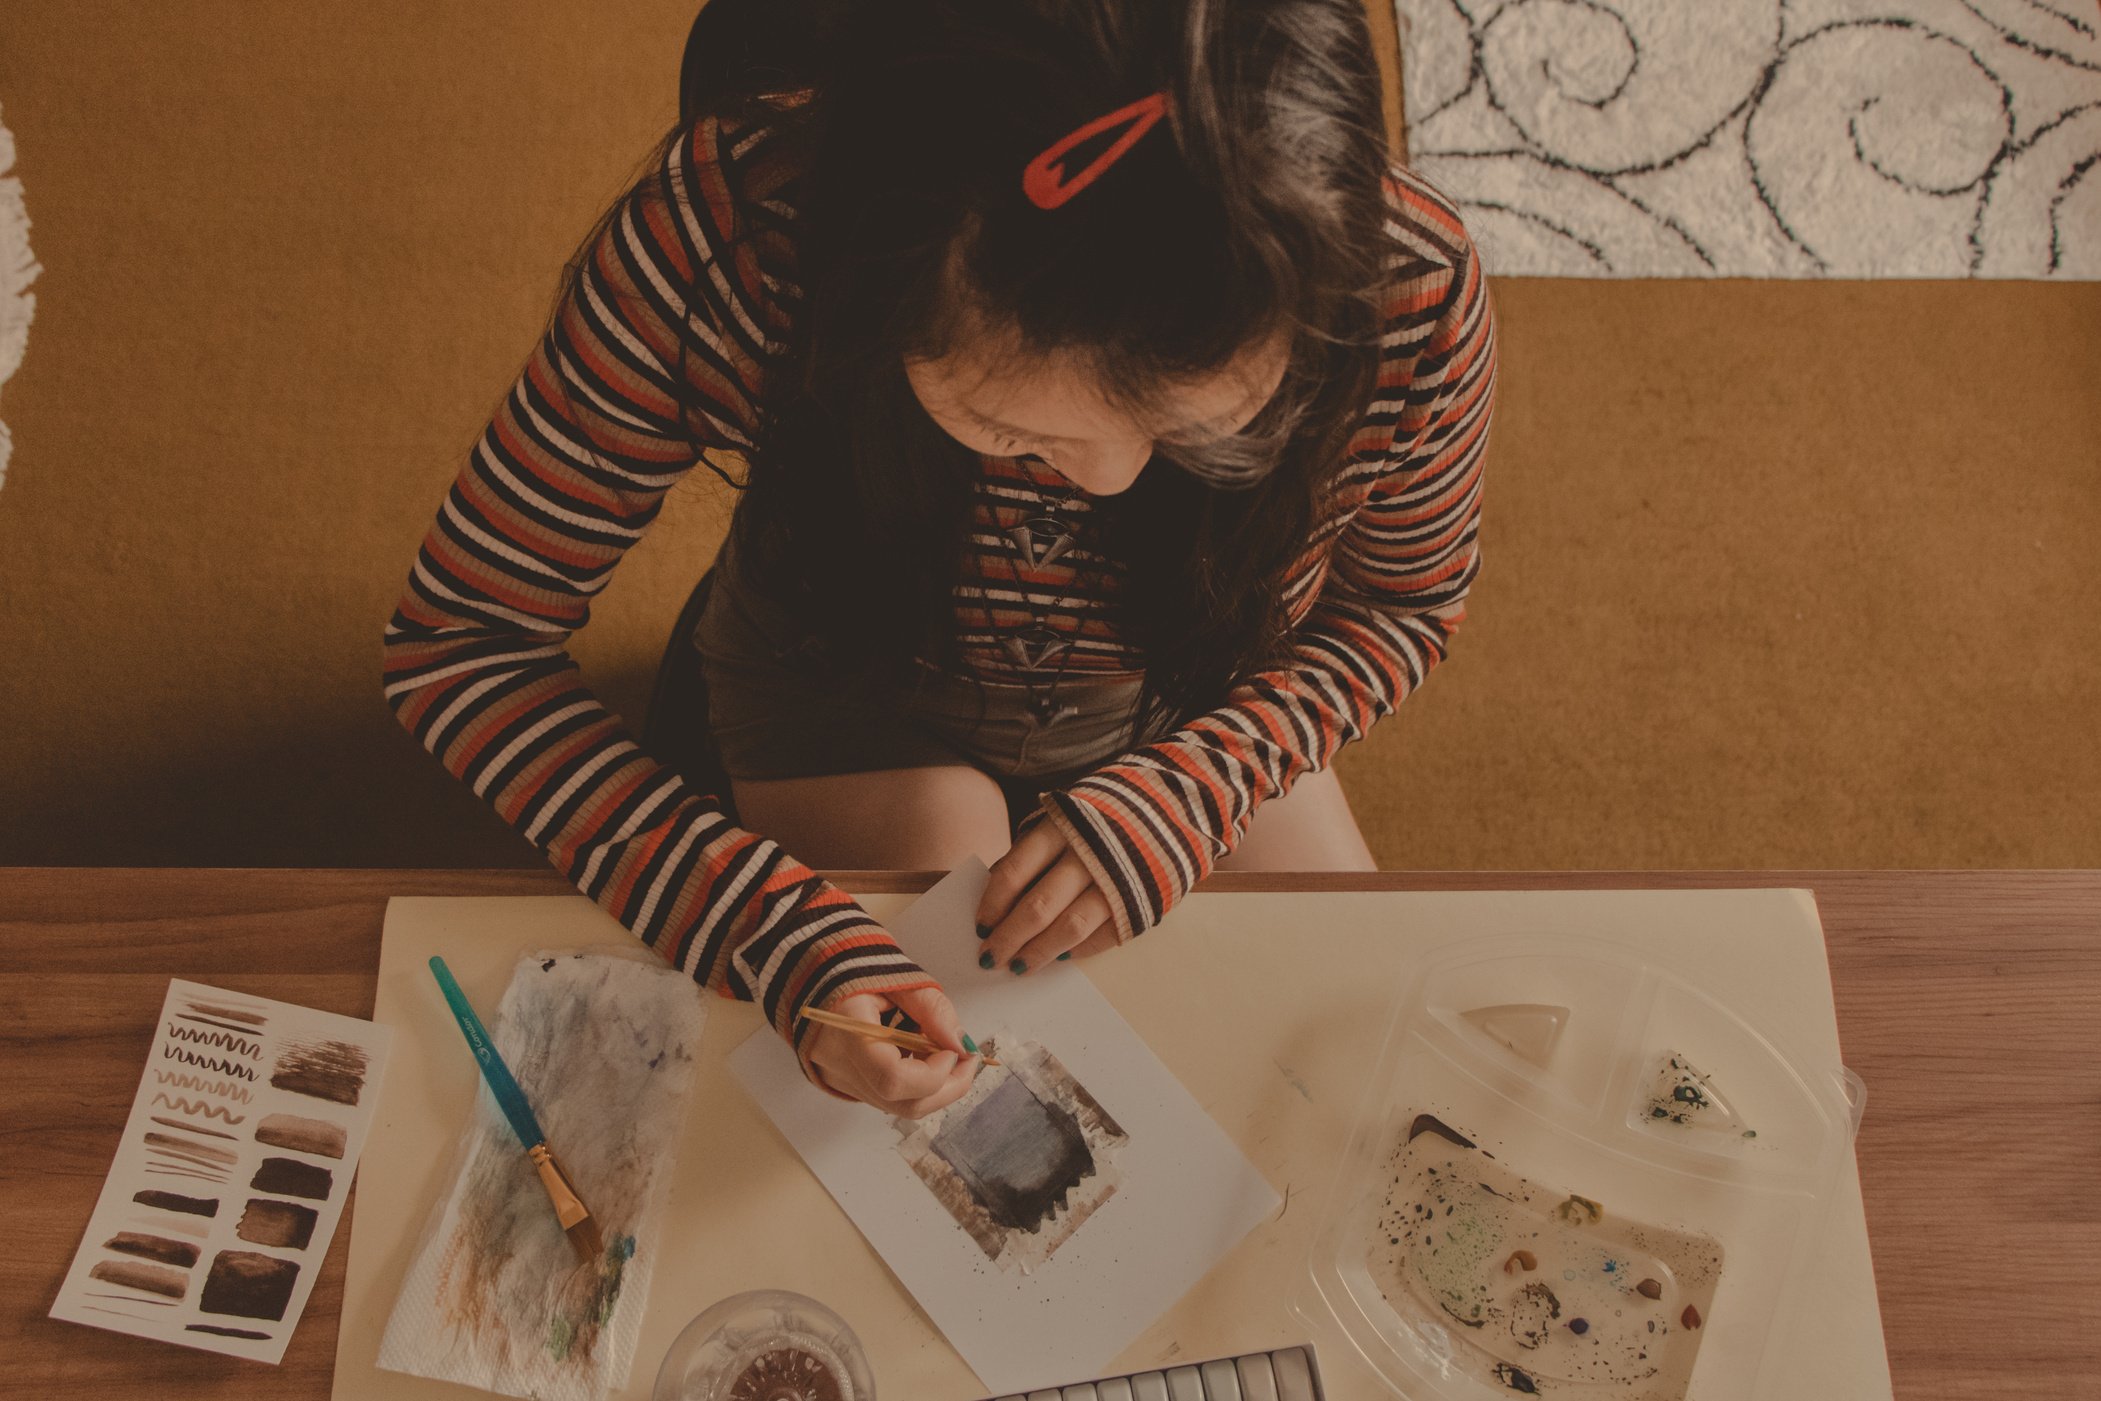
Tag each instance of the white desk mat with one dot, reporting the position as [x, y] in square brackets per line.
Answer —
[1266, 1006]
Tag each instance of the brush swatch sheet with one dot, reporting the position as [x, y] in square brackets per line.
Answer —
[1045, 1219]
[231, 1174]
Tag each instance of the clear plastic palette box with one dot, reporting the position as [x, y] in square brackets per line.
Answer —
[1574, 1173]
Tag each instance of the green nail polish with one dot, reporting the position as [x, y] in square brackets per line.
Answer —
[1064, 956]
[969, 1045]
[1018, 966]
[984, 931]
[985, 959]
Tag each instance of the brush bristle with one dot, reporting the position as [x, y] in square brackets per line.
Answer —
[584, 1235]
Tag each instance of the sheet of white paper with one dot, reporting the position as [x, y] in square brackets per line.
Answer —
[231, 1174]
[1186, 1195]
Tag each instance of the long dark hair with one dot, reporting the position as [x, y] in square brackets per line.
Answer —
[1256, 208]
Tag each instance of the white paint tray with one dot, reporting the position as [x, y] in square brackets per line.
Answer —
[1711, 1196]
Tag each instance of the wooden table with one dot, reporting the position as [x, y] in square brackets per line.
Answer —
[1969, 1001]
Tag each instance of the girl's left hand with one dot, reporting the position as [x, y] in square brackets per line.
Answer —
[1041, 904]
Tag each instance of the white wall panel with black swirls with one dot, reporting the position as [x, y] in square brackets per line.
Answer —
[1756, 138]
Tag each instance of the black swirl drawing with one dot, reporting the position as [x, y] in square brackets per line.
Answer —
[1764, 138]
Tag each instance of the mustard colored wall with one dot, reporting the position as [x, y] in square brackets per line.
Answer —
[1776, 574]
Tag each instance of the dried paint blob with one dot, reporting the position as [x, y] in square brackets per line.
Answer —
[1680, 1095]
[286, 1225]
[245, 1284]
[172, 1201]
[1573, 1315]
[149, 1247]
[288, 1177]
[788, 1374]
[330, 1070]
[147, 1279]
[302, 1135]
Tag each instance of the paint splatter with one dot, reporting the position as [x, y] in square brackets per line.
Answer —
[1463, 1239]
[247, 1285]
[330, 1070]
[290, 1178]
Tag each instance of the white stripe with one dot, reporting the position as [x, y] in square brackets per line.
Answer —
[526, 740]
[553, 804]
[435, 587]
[419, 682]
[603, 844]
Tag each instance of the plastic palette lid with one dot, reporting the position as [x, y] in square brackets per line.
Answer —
[1573, 1172]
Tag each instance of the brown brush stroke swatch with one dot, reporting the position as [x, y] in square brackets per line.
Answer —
[170, 1201]
[247, 1285]
[302, 1135]
[330, 1070]
[229, 1332]
[160, 1248]
[147, 1279]
[192, 1148]
[290, 1178]
[232, 1014]
[283, 1224]
[208, 1021]
[186, 1127]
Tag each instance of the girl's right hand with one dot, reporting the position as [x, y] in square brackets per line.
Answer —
[891, 1079]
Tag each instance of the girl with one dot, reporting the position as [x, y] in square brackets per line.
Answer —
[1113, 413]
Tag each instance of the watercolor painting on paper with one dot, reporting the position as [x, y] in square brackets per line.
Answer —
[1021, 1161]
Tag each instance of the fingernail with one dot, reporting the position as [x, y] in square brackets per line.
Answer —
[1018, 966]
[1063, 956]
[985, 959]
[969, 1045]
[984, 931]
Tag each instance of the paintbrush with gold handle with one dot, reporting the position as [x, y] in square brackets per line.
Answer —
[569, 1208]
[908, 1040]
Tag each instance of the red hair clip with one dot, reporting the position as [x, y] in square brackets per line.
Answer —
[1046, 181]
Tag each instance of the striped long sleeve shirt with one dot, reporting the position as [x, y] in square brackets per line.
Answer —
[693, 279]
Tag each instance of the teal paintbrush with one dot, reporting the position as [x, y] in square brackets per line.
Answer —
[569, 1208]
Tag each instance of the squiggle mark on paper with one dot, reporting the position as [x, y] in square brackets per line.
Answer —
[240, 1094]
[202, 1108]
[217, 1040]
[211, 1063]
